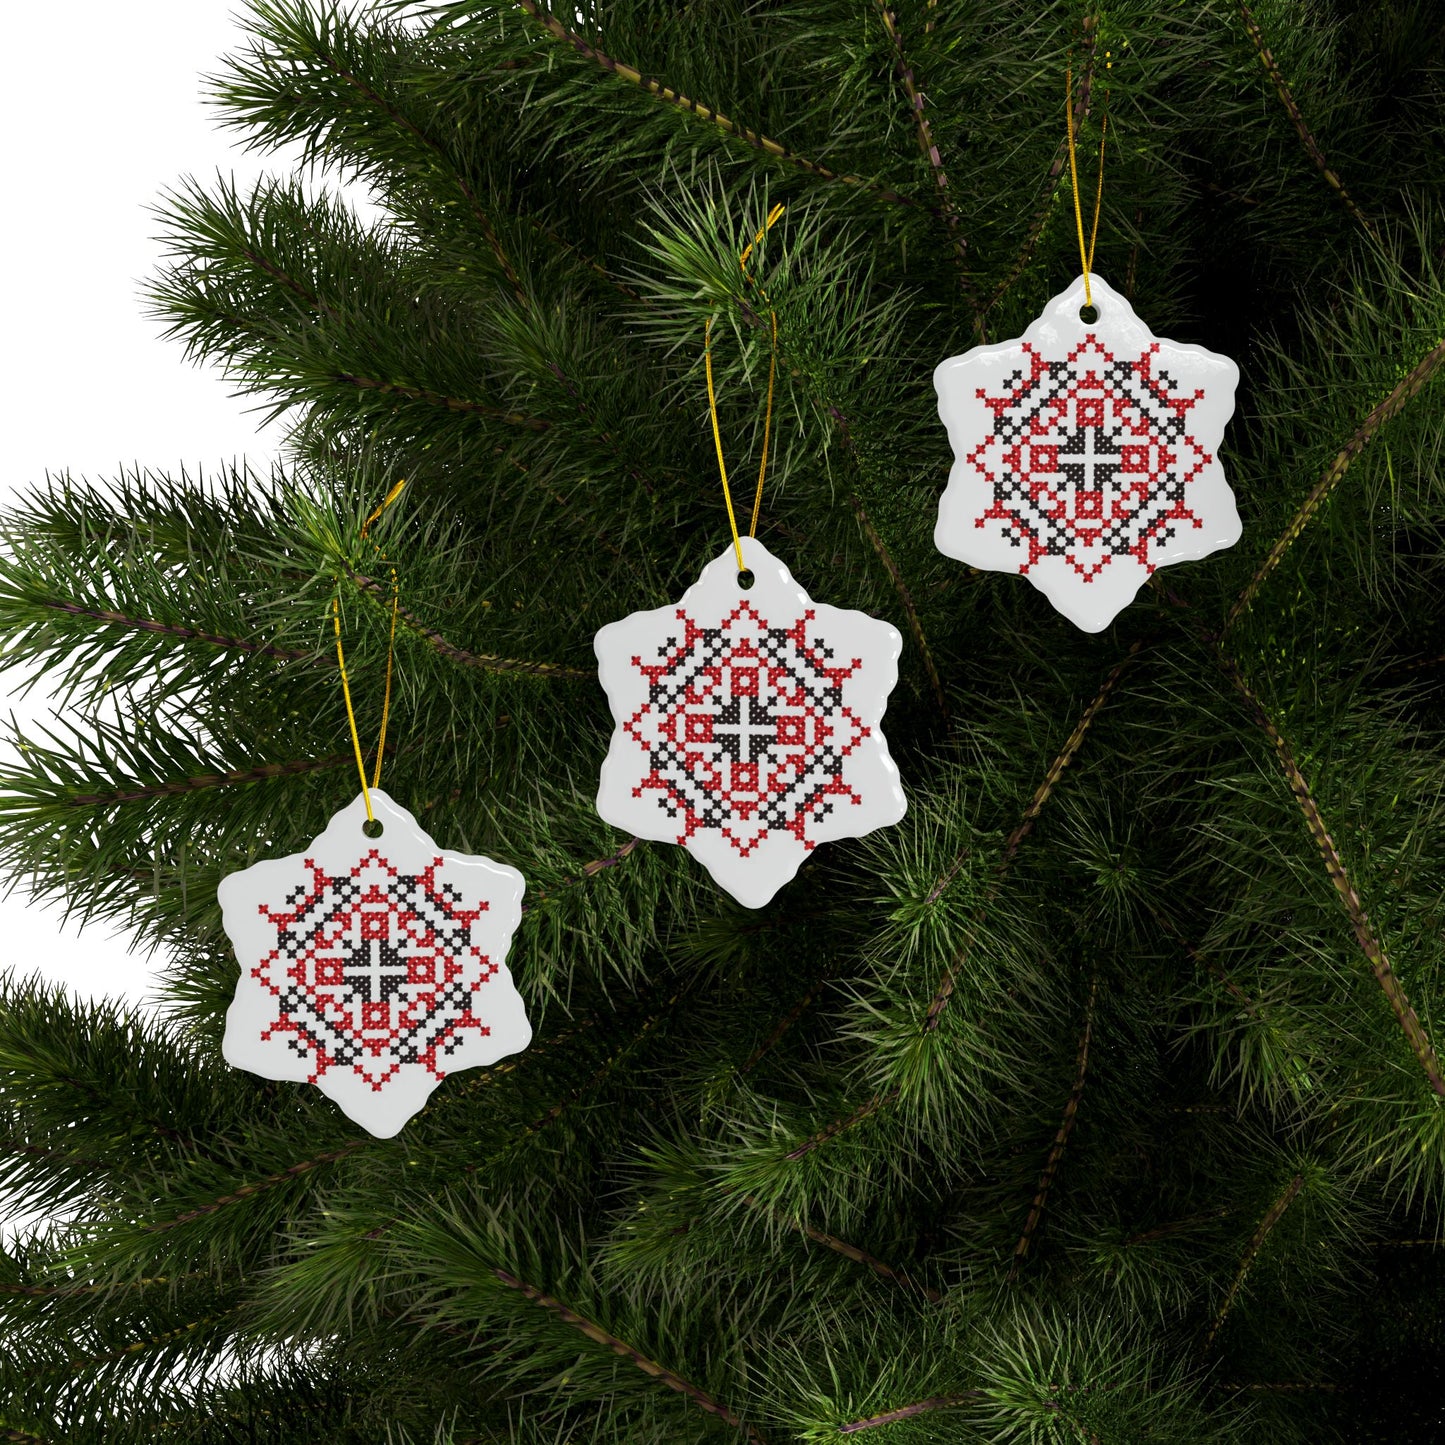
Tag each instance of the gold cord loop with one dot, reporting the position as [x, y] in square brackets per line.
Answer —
[773, 215]
[1086, 252]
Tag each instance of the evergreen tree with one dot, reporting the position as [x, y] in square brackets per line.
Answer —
[1101, 1099]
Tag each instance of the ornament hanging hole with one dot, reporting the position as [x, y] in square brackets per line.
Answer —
[1088, 314]
[746, 579]
[373, 828]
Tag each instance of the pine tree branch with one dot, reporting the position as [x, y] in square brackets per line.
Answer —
[779, 1030]
[600, 431]
[839, 1126]
[247, 1191]
[451, 403]
[487, 662]
[202, 781]
[1025, 825]
[915, 626]
[910, 1412]
[1061, 1138]
[1272, 1217]
[52, 1291]
[1291, 106]
[1176, 1226]
[1409, 387]
[946, 984]
[479, 214]
[53, 1156]
[19, 1437]
[861, 1256]
[660, 1373]
[169, 629]
[929, 147]
[589, 870]
[558, 31]
[1365, 936]
[77, 1364]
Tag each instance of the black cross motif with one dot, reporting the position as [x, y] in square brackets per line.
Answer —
[1086, 468]
[745, 724]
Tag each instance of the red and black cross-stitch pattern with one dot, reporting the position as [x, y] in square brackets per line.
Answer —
[1089, 458]
[374, 969]
[745, 729]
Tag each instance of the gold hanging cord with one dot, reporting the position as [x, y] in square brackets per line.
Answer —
[1086, 253]
[767, 416]
[390, 497]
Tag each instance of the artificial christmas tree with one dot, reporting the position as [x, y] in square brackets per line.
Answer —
[1100, 1097]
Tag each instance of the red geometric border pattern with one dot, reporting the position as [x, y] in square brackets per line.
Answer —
[1088, 458]
[373, 970]
[745, 729]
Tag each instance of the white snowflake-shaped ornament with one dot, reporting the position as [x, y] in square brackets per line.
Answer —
[373, 967]
[1086, 455]
[748, 724]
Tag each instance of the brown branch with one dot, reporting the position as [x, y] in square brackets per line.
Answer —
[1364, 932]
[929, 147]
[915, 626]
[589, 870]
[861, 1256]
[136, 1346]
[1176, 1226]
[1272, 1216]
[1011, 844]
[1291, 106]
[49, 1291]
[655, 88]
[246, 1191]
[1405, 390]
[288, 281]
[55, 1156]
[19, 1437]
[838, 1126]
[1061, 1138]
[779, 1029]
[209, 780]
[487, 662]
[436, 398]
[169, 629]
[660, 1373]
[908, 1412]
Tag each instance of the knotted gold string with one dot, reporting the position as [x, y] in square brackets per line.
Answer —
[390, 497]
[768, 414]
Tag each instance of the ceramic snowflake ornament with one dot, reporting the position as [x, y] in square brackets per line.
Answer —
[748, 724]
[373, 967]
[1086, 455]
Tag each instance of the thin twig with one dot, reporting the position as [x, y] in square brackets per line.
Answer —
[770, 147]
[263, 773]
[171, 629]
[1410, 386]
[1370, 944]
[246, 1191]
[915, 626]
[1061, 1138]
[1272, 1216]
[909, 1412]
[1291, 106]
[487, 662]
[929, 147]
[660, 1373]
[478, 213]
[436, 398]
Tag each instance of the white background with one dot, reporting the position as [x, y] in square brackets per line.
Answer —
[88, 384]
